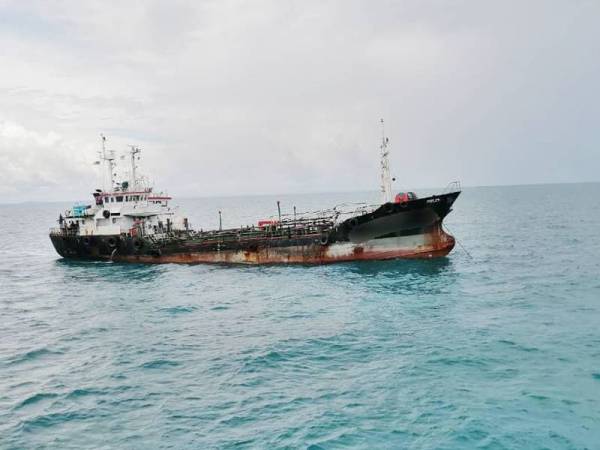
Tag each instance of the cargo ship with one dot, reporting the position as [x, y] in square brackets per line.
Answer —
[128, 221]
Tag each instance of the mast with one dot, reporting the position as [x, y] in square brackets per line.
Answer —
[109, 164]
[134, 151]
[386, 179]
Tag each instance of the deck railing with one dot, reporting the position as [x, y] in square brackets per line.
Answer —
[58, 231]
[453, 186]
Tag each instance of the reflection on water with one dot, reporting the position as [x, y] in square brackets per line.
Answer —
[400, 267]
[109, 271]
[404, 277]
[391, 276]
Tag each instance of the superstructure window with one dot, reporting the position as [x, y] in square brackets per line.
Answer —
[119, 198]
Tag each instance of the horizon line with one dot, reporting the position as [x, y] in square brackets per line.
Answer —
[327, 192]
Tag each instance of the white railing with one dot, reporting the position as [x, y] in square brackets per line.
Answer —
[453, 186]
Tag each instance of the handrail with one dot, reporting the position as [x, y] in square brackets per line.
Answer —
[56, 231]
[453, 186]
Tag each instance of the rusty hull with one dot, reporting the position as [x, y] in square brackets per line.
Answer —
[433, 244]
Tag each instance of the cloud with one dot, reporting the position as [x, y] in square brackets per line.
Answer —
[266, 97]
[33, 162]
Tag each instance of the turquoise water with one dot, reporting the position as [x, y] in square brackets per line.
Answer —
[501, 350]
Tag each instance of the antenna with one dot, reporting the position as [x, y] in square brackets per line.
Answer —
[386, 181]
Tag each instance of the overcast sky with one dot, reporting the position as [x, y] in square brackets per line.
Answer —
[230, 97]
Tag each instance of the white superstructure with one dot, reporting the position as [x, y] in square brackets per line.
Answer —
[127, 207]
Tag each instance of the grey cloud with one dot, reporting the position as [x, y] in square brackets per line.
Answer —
[270, 96]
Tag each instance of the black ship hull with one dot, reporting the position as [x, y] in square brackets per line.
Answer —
[411, 229]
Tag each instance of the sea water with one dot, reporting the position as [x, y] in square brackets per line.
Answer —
[497, 348]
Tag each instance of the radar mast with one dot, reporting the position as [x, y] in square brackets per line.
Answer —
[133, 181]
[386, 179]
[108, 158]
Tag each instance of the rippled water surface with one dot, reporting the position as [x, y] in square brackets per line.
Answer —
[501, 350]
